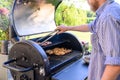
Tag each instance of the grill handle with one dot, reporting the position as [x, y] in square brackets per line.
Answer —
[6, 65]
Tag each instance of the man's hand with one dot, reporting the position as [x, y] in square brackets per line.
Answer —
[111, 72]
[62, 29]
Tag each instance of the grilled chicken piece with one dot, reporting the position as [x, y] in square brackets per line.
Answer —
[49, 52]
[58, 51]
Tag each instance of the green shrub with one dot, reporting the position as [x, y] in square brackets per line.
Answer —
[4, 22]
[70, 15]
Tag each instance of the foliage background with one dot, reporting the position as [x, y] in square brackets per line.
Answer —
[4, 21]
[71, 15]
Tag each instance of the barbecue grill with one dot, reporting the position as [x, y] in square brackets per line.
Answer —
[28, 59]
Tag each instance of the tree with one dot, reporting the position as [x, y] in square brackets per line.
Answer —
[90, 16]
[4, 22]
[70, 15]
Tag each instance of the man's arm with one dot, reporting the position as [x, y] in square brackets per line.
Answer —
[111, 72]
[81, 28]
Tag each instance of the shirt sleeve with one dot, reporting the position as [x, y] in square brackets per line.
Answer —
[91, 26]
[111, 40]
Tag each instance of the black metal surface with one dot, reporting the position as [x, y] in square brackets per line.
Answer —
[29, 54]
[29, 75]
[57, 62]
[76, 71]
[66, 40]
[6, 64]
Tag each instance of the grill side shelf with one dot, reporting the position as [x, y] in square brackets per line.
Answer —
[76, 71]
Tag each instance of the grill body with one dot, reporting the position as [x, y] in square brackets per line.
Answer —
[28, 60]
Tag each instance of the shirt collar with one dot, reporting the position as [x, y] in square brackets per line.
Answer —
[101, 8]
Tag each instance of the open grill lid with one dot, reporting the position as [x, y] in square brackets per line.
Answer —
[33, 16]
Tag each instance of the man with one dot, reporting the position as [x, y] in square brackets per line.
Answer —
[105, 39]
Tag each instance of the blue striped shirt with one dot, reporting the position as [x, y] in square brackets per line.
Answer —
[105, 39]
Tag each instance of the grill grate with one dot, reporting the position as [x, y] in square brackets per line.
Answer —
[57, 61]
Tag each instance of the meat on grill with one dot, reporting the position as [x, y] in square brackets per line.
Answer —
[45, 43]
[58, 51]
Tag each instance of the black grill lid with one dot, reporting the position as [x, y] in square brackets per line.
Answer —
[33, 16]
